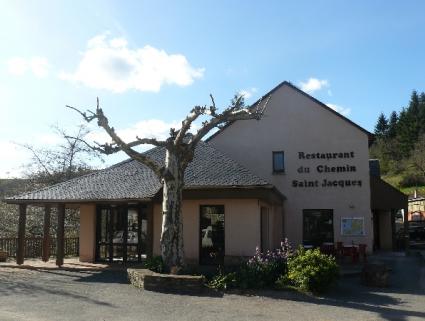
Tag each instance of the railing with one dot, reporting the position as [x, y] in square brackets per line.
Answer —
[34, 246]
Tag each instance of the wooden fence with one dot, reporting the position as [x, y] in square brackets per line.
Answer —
[34, 246]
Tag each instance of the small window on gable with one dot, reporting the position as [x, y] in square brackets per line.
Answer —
[278, 162]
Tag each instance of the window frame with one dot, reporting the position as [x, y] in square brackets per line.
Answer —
[200, 259]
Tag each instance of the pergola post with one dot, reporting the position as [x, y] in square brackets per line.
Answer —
[21, 234]
[46, 233]
[406, 230]
[60, 247]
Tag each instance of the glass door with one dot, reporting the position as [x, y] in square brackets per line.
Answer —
[137, 225]
[103, 232]
[211, 233]
[121, 233]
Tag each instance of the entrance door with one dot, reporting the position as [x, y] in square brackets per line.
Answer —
[121, 233]
[317, 227]
[211, 250]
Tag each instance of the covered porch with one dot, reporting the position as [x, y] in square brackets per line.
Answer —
[109, 231]
[386, 202]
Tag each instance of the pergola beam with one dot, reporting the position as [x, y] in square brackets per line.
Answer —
[406, 229]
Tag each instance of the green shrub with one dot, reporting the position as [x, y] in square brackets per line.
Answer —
[411, 179]
[155, 264]
[224, 281]
[310, 271]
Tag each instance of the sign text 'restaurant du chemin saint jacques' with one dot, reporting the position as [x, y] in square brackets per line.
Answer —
[327, 169]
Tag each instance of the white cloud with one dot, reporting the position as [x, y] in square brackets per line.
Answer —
[314, 84]
[113, 66]
[247, 93]
[151, 128]
[19, 66]
[342, 110]
[39, 66]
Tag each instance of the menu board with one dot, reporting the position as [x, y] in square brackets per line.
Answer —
[352, 226]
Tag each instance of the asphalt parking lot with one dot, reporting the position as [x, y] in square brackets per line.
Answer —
[53, 294]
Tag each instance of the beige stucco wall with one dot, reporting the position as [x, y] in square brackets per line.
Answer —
[277, 226]
[294, 123]
[241, 226]
[87, 232]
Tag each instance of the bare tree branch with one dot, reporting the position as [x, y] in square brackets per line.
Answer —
[36, 157]
[232, 113]
[187, 122]
[149, 141]
[117, 143]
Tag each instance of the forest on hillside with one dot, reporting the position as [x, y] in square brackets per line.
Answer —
[400, 144]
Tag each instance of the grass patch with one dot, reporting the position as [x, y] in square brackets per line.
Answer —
[394, 180]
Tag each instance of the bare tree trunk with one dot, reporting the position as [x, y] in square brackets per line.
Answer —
[180, 147]
[172, 250]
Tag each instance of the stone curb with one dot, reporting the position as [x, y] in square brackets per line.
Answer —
[169, 283]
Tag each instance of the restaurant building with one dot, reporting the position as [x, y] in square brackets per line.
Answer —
[301, 172]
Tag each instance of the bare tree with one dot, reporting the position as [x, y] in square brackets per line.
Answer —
[68, 159]
[48, 165]
[179, 146]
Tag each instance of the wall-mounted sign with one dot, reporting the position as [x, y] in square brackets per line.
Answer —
[352, 226]
[306, 169]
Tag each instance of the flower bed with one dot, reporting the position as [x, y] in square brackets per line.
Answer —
[308, 271]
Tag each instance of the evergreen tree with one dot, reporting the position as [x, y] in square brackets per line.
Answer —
[392, 125]
[400, 141]
[406, 132]
[381, 127]
[422, 113]
[413, 111]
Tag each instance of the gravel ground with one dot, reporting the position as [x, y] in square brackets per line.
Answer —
[105, 295]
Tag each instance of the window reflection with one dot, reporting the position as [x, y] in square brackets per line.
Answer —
[212, 234]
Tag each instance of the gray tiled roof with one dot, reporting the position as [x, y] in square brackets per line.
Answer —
[131, 180]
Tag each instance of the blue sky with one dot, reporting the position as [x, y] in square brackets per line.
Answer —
[151, 61]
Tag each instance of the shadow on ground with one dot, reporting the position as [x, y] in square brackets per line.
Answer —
[405, 282]
[38, 283]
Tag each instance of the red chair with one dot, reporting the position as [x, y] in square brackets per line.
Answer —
[362, 252]
[351, 251]
[327, 248]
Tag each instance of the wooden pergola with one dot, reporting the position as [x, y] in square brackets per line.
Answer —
[60, 238]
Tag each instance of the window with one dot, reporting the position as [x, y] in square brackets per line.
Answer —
[211, 234]
[278, 162]
[317, 227]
